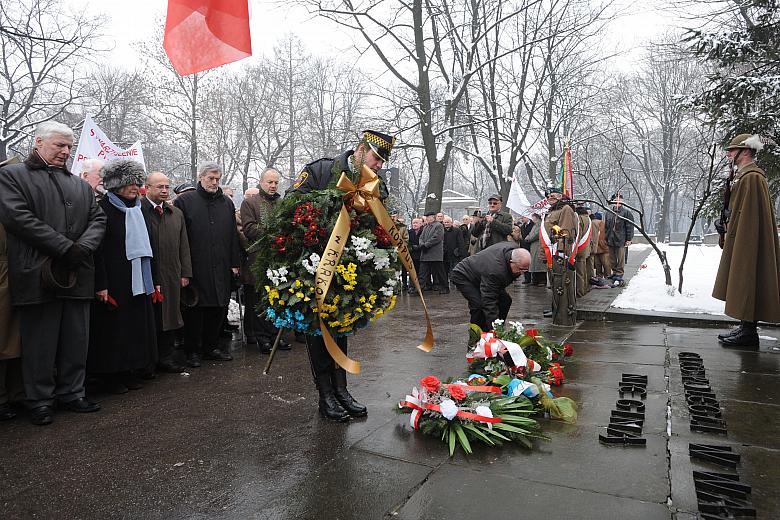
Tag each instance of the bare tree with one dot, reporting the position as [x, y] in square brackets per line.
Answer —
[41, 42]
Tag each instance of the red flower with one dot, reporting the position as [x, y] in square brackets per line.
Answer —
[430, 383]
[457, 392]
[556, 374]
[532, 333]
[568, 350]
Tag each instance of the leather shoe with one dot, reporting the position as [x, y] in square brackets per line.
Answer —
[283, 345]
[80, 405]
[170, 367]
[230, 326]
[548, 313]
[42, 415]
[264, 347]
[193, 360]
[6, 412]
[131, 382]
[732, 332]
[741, 339]
[444, 291]
[217, 355]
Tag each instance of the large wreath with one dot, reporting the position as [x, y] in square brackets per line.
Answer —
[364, 287]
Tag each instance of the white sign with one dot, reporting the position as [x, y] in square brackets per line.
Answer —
[93, 144]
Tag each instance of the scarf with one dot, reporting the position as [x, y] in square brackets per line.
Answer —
[137, 246]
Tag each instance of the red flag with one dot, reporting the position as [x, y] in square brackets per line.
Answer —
[203, 34]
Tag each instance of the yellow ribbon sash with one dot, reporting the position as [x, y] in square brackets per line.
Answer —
[363, 196]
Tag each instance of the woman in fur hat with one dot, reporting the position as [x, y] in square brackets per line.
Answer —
[123, 339]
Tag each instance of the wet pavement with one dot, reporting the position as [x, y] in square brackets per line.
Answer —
[227, 442]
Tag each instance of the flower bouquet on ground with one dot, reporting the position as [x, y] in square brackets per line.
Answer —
[522, 362]
[365, 283]
[462, 414]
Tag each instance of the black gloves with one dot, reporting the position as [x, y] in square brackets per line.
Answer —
[75, 255]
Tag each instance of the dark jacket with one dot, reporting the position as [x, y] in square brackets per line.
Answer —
[618, 231]
[414, 243]
[214, 250]
[168, 236]
[453, 245]
[432, 242]
[489, 270]
[253, 214]
[325, 173]
[45, 210]
[499, 229]
[466, 234]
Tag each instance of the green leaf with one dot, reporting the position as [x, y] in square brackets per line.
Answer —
[476, 431]
[497, 434]
[474, 334]
[510, 428]
[464, 441]
[451, 440]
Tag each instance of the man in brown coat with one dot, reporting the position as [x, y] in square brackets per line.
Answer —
[583, 251]
[558, 232]
[259, 331]
[172, 250]
[748, 278]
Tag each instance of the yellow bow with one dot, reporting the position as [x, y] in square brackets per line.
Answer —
[358, 195]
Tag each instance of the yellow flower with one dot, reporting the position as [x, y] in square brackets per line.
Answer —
[297, 283]
[299, 294]
[290, 290]
[281, 302]
[306, 299]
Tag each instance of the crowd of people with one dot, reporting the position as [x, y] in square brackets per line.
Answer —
[105, 274]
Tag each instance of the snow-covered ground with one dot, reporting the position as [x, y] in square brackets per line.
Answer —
[647, 290]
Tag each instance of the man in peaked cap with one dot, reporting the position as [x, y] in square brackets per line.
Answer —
[373, 150]
[748, 277]
[495, 225]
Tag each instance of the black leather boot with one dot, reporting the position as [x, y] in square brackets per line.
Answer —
[732, 332]
[746, 337]
[329, 405]
[353, 408]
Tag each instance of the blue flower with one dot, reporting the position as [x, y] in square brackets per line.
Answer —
[299, 316]
[270, 313]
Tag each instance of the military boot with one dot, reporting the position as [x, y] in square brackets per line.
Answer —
[354, 408]
[732, 332]
[746, 337]
[329, 405]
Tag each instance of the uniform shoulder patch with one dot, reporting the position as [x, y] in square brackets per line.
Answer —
[302, 178]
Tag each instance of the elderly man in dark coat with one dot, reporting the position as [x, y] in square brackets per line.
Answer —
[483, 278]
[431, 249]
[619, 232]
[454, 248]
[172, 257]
[495, 226]
[216, 259]
[260, 331]
[414, 245]
[123, 338]
[748, 277]
[54, 226]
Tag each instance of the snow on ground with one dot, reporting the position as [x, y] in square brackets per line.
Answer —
[647, 290]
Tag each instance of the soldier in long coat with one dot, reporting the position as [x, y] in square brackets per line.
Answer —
[216, 258]
[168, 234]
[583, 254]
[558, 235]
[748, 277]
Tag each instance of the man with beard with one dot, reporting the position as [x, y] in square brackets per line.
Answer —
[254, 210]
[168, 234]
[216, 258]
[54, 226]
[335, 402]
[748, 277]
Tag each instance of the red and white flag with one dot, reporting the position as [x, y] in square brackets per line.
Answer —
[203, 34]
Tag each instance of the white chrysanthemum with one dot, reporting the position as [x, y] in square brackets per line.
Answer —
[311, 263]
[448, 409]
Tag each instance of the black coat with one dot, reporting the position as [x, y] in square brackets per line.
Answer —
[214, 248]
[122, 338]
[453, 245]
[414, 243]
[618, 231]
[325, 173]
[489, 270]
[45, 210]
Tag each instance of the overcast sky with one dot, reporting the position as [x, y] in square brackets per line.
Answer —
[129, 21]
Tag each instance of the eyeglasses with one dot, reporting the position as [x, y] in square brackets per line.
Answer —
[162, 186]
[493, 202]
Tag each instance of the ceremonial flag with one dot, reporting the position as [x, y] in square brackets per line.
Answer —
[93, 144]
[203, 34]
[519, 203]
[567, 178]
